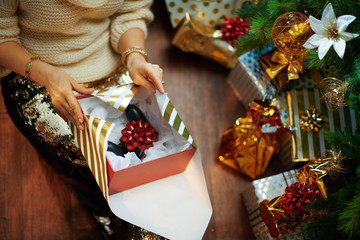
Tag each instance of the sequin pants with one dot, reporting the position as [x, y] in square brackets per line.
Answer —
[30, 108]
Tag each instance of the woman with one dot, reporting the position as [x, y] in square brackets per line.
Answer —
[50, 48]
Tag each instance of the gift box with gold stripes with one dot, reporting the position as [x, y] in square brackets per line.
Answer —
[268, 188]
[310, 117]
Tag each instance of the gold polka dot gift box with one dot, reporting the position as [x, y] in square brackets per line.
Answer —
[209, 12]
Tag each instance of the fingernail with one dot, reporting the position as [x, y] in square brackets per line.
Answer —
[80, 120]
[81, 127]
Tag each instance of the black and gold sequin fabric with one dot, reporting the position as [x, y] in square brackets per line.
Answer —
[30, 108]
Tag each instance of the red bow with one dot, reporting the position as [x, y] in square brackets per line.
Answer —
[297, 196]
[138, 135]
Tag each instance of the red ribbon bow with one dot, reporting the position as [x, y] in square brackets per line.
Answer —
[297, 196]
[138, 135]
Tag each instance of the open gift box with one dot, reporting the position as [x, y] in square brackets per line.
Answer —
[170, 154]
[165, 206]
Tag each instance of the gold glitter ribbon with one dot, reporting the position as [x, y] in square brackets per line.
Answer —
[246, 147]
[294, 65]
[194, 36]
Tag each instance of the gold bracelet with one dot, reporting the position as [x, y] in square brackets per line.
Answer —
[131, 50]
[29, 65]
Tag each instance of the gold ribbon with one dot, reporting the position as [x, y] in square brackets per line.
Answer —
[294, 64]
[332, 164]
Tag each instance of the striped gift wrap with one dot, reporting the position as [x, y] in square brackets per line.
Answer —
[305, 95]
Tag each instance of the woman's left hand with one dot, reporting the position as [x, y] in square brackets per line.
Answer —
[145, 74]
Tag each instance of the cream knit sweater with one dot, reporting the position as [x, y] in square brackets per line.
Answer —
[79, 36]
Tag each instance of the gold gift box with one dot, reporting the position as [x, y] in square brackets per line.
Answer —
[194, 36]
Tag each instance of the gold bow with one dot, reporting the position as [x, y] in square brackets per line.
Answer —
[294, 64]
[311, 121]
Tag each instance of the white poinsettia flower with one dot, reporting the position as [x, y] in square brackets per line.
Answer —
[330, 32]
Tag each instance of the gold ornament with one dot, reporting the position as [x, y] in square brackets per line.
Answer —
[290, 31]
[311, 121]
[334, 92]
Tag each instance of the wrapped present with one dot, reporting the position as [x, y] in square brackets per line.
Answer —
[288, 210]
[194, 36]
[282, 68]
[249, 145]
[247, 77]
[268, 188]
[283, 213]
[172, 197]
[208, 12]
[311, 117]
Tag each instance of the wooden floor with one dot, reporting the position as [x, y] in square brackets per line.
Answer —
[35, 204]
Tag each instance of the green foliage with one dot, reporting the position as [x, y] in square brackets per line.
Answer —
[313, 62]
[250, 10]
[278, 7]
[319, 227]
[348, 143]
[350, 218]
[342, 220]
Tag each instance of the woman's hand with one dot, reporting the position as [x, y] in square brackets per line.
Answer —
[145, 74]
[60, 87]
[59, 84]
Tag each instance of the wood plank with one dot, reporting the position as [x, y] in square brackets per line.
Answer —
[208, 106]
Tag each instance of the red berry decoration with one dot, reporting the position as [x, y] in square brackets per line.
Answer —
[233, 28]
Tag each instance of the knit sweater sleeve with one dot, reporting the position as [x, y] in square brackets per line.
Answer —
[133, 14]
[9, 29]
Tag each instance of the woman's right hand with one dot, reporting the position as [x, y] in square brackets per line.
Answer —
[60, 86]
